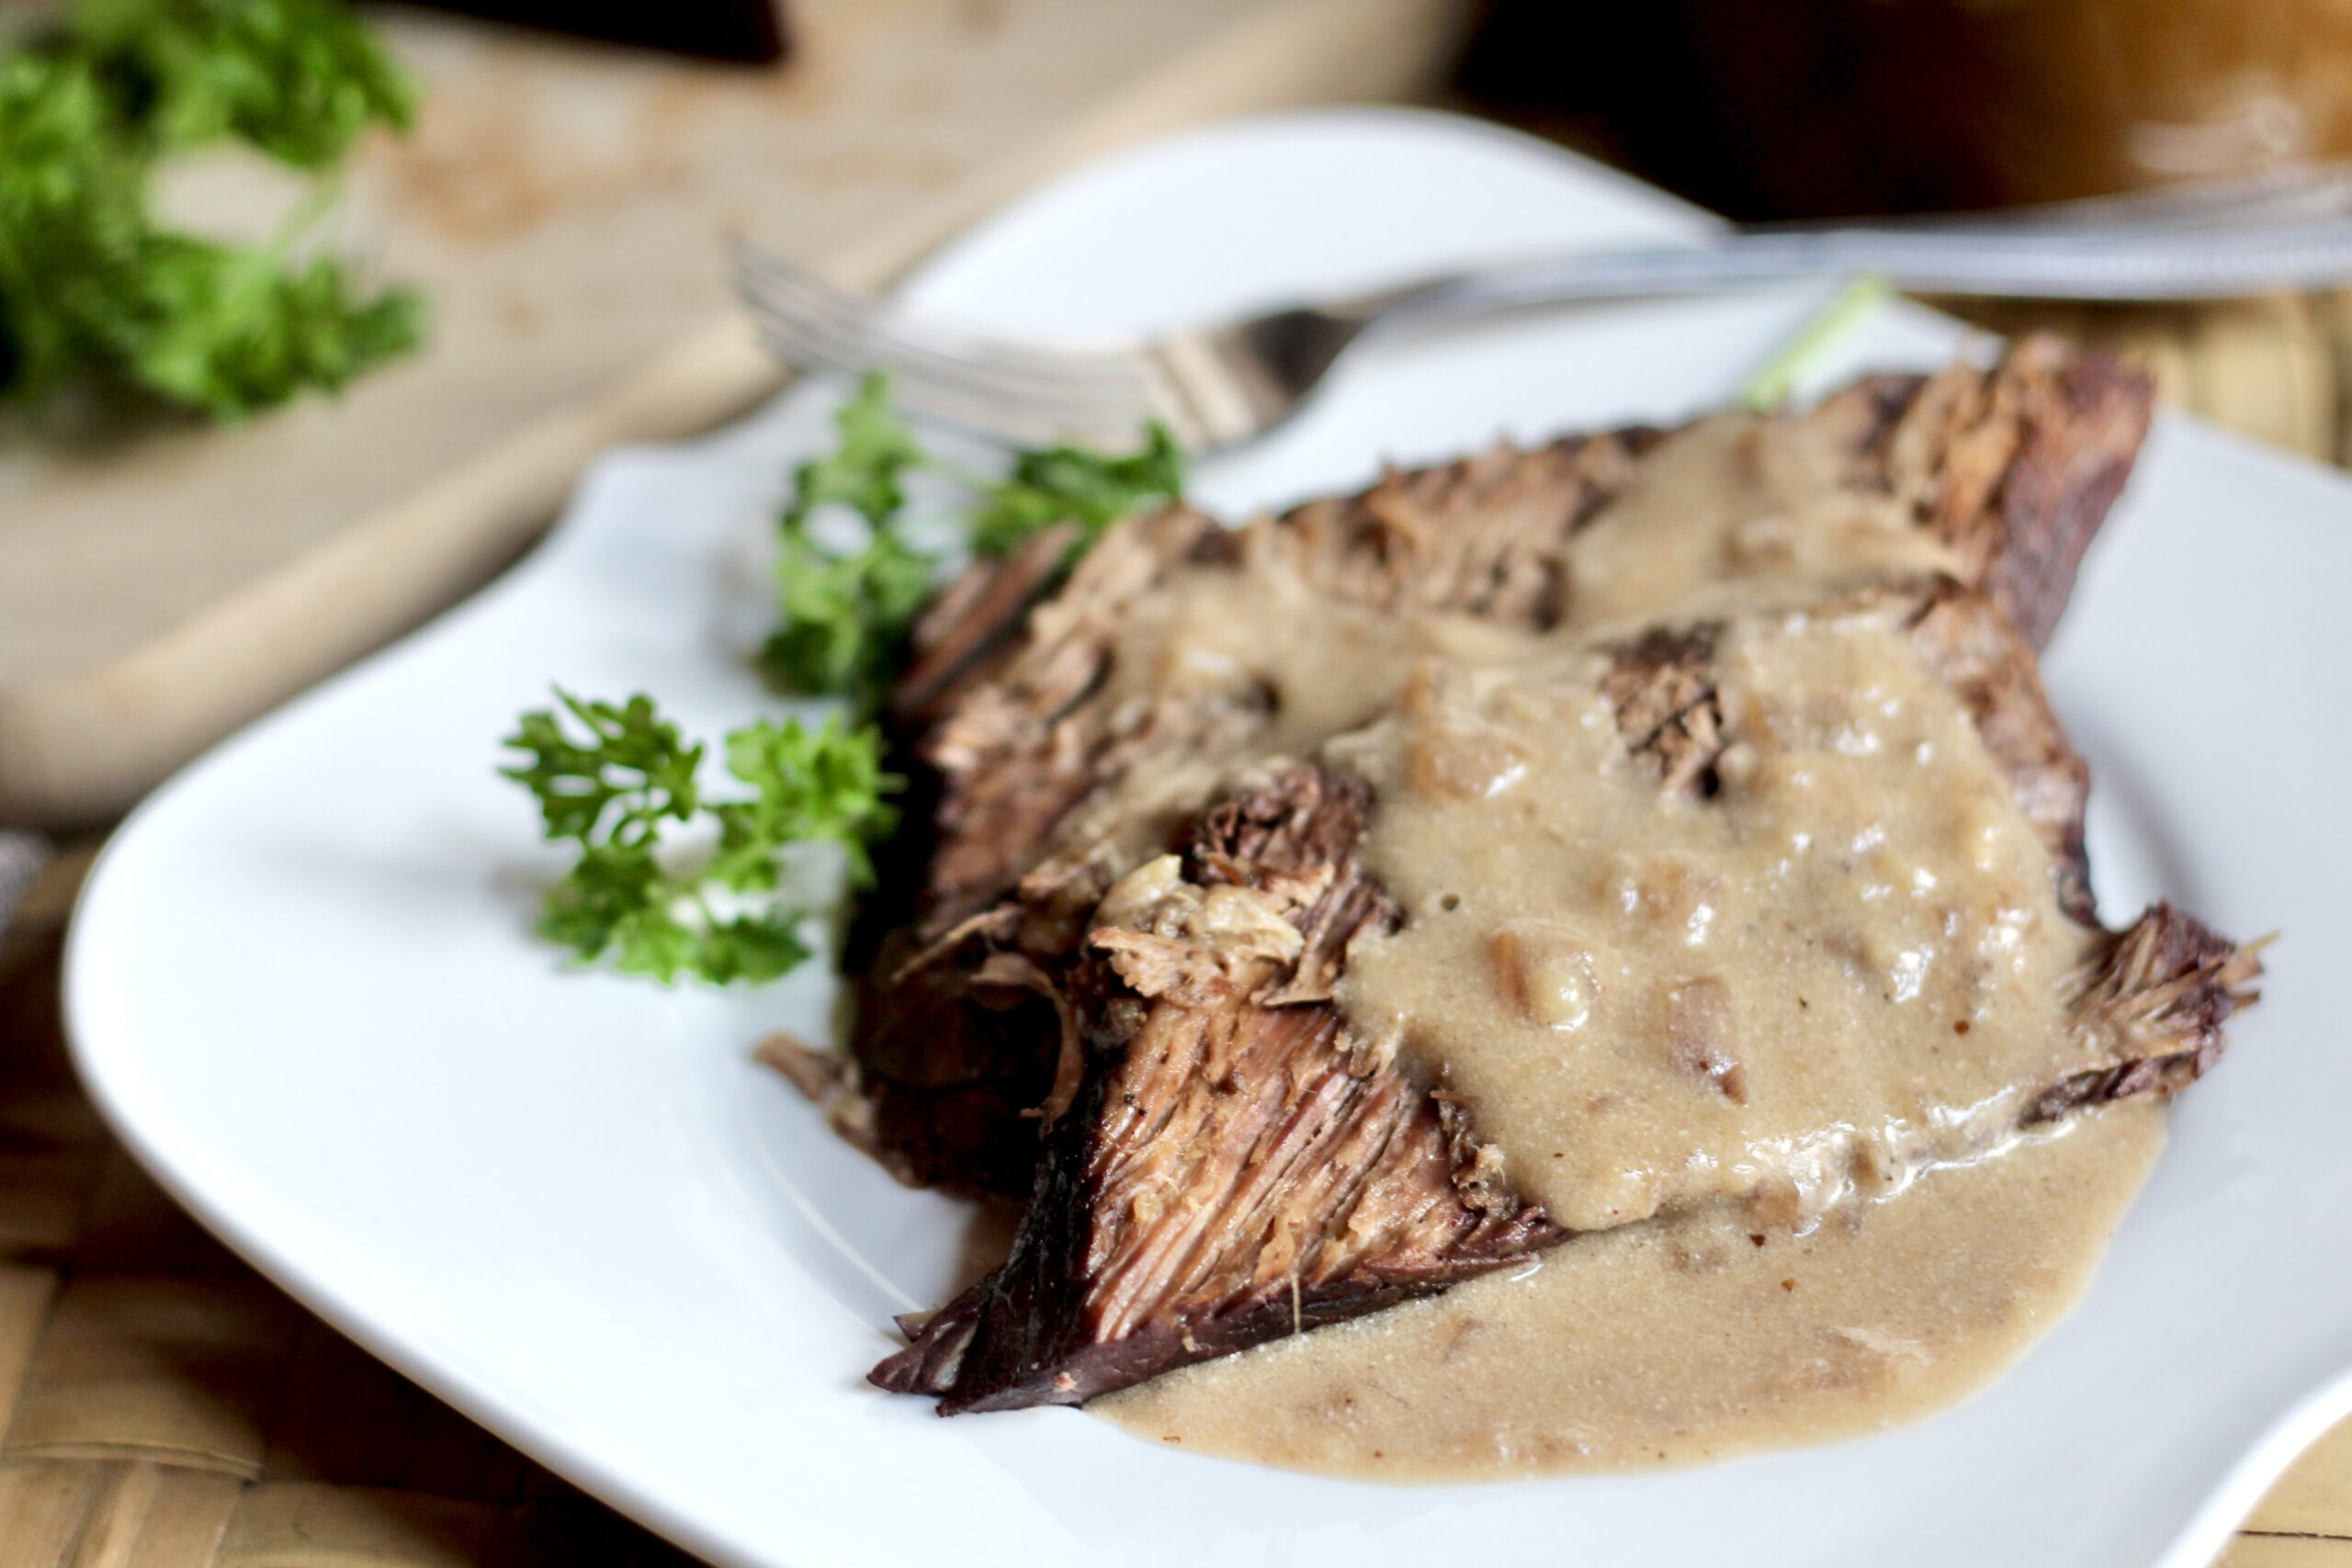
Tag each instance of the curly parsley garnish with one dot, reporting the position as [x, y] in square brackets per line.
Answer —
[95, 292]
[619, 782]
[616, 778]
[843, 613]
[299, 80]
[1069, 484]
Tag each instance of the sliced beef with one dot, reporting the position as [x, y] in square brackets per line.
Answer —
[1981, 655]
[2154, 996]
[1223, 1162]
[2016, 469]
[1236, 1168]
[1015, 743]
[1028, 744]
[1668, 712]
[1036, 738]
[1667, 708]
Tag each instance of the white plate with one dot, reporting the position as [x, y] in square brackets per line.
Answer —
[303, 987]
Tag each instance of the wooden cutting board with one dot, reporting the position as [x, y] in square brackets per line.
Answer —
[566, 208]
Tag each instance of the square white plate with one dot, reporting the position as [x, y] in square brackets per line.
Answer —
[302, 985]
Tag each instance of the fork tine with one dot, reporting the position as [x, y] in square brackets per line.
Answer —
[977, 408]
[798, 291]
[846, 346]
[849, 345]
[953, 373]
[771, 284]
[796, 343]
[918, 346]
[892, 351]
[1020, 425]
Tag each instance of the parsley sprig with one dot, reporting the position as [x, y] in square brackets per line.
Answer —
[299, 80]
[1071, 484]
[620, 782]
[843, 613]
[95, 292]
[615, 780]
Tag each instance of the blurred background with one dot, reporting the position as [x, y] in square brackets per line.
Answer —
[1846, 106]
[309, 318]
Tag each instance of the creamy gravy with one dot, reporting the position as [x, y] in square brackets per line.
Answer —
[1287, 666]
[1843, 964]
[1738, 512]
[1683, 1339]
[1789, 1027]
[1731, 512]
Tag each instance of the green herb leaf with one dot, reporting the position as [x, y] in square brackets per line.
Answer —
[613, 790]
[617, 907]
[750, 949]
[234, 332]
[1069, 484]
[821, 785]
[95, 292]
[299, 80]
[844, 615]
[842, 619]
[633, 759]
[866, 472]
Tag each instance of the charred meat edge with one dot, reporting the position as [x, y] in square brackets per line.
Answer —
[1236, 1168]
[958, 1049]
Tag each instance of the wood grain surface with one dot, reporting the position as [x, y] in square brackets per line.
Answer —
[566, 207]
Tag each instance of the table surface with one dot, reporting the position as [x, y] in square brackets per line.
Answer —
[566, 209]
[160, 1407]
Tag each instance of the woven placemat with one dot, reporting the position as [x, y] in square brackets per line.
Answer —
[163, 1407]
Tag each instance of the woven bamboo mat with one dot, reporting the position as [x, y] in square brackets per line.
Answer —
[162, 1407]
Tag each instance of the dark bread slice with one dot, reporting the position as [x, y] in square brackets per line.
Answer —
[1234, 1167]
[958, 1042]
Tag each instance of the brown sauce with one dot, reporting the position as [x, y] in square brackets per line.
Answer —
[1843, 964]
[1769, 1043]
[1682, 1339]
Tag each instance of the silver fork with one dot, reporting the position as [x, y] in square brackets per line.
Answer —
[1219, 384]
